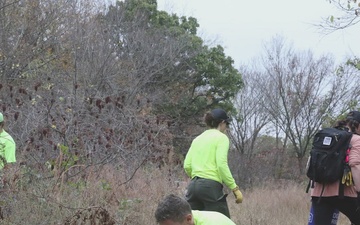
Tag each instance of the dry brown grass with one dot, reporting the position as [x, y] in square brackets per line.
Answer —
[285, 204]
[102, 193]
[275, 204]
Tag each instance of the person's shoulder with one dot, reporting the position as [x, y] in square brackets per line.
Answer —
[223, 136]
[355, 142]
[355, 137]
[212, 215]
[6, 135]
[218, 133]
[211, 133]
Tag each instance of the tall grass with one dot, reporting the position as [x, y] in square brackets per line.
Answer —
[102, 197]
[275, 204]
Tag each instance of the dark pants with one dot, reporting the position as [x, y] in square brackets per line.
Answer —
[207, 195]
[323, 209]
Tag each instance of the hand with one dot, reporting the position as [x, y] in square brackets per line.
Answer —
[238, 195]
[347, 178]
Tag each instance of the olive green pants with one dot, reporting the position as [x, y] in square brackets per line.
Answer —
[207, 195]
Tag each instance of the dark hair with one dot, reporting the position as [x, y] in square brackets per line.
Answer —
[341, 125]
[353, 120]
[353, 124]
[172, 208]
[211, 121]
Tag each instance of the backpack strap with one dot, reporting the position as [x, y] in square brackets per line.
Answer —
[308, 187]
[322, 191]
[311, 183]
[347, 170]
[341, 190]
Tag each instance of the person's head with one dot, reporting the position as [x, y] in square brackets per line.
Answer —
[353, 121]
[174, 210]
[217, 118]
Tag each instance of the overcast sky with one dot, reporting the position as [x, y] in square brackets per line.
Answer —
[242, 27]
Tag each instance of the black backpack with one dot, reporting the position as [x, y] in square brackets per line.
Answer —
[326, 163]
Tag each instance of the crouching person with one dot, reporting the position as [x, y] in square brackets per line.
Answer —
[174, 210]
[7, 150]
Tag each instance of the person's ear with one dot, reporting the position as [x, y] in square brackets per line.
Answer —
[189, 219]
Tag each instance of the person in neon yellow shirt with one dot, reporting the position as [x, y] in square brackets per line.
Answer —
[174, 210]
[7, 146]
[206, 163]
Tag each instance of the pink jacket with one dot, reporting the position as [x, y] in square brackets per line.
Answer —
[354, 162]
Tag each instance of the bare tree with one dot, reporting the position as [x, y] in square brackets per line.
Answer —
[249, 121]
[251, 116]
[68, 91]
[300, 92]
[82, 88]
[79, 78]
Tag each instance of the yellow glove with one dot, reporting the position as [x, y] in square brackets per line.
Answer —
[350, 179]
[343, 180]
[347, 179]
[238, 195]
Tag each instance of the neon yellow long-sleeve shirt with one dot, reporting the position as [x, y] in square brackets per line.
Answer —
[208, 158]
[210, 218]
[7, 148]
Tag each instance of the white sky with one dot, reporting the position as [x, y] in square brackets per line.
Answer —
[242, 27]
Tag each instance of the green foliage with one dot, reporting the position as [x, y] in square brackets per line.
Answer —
[175, 24]
[215, 73]
[134, 8]
[197, 78]
[105, 185]
[78, 185]
[70, 159]
[157, 19]
[354, 62]
[126, 204]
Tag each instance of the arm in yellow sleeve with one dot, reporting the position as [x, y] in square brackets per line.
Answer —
[222, 163]
[187, 163]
